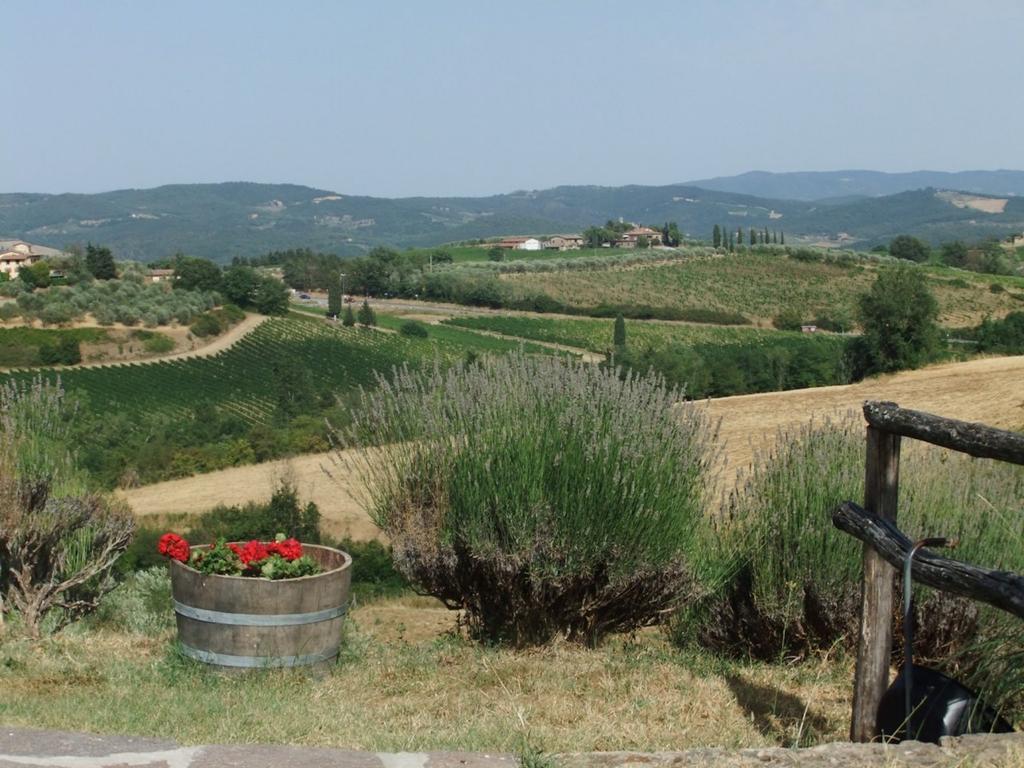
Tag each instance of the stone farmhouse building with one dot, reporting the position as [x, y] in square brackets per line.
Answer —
[629, 238]
[159, 275]
[563, 243]
[18, 254]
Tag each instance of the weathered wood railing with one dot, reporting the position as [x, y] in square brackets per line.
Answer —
[885, 545]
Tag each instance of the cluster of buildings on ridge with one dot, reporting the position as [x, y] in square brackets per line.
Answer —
[16, 254]
[628, 239]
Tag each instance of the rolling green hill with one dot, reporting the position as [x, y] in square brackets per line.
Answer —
[221, 221]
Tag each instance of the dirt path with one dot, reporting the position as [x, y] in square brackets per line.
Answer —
[584, 354]
[990, 390]
[222, 342]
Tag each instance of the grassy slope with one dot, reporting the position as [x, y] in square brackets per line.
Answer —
[761, 286]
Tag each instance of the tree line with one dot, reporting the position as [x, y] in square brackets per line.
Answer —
[988, 256]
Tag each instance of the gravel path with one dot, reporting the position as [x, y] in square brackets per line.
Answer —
[20, 747]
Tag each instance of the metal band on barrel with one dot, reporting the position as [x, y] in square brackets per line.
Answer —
[257, 619]
[255, 662]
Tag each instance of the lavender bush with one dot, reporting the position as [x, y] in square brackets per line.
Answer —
[542, 497]
[58, 540]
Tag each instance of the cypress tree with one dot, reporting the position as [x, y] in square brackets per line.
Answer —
[766, 240]
[739, 235]
[716, 236]
[366, 315]
[334, 298]
[619, 334]
[753, 237]
[782, 238]
[775, 237]
[350, 318]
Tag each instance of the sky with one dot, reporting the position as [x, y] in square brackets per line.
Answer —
[432, 98]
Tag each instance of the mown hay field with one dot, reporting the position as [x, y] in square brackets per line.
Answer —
[761, 286]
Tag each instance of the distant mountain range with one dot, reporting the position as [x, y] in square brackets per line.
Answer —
[220, 221]
[820, 185]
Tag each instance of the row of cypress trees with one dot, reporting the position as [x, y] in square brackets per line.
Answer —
[721, 238]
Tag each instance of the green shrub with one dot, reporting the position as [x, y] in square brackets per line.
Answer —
[996, 288]
[282, 514]
[788, 320]
[141, 604]
[206, 325]
[373, 570]
[1005, 336]
[231, 314]
[156, 343]
[542, 497]
[413, 329]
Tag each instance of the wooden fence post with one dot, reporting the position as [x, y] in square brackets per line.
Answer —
[881, 492]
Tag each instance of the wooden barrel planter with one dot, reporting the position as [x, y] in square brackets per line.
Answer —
[252, 623]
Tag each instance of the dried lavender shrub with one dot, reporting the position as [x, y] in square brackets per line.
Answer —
[540, 496]
[58, 540]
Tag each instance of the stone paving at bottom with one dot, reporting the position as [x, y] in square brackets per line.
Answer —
[32, 748]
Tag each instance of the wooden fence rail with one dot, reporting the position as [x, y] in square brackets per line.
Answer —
[887, 424]
[1001, 589]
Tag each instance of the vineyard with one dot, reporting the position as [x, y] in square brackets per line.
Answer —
[761, 286]
[245, 379]
[596, 334]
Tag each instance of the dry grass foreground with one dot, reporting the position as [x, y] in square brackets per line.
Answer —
[990, 390]
[396, 691]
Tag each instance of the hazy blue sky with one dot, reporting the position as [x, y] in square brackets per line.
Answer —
[431, 98]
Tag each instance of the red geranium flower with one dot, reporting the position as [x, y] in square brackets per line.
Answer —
[253, 552]
[173, 546]
[289, 549]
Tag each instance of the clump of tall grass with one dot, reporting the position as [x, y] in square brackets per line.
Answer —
[791, 580]
[141, 604]
[542, 497]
